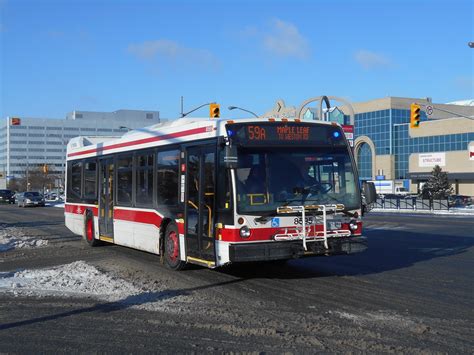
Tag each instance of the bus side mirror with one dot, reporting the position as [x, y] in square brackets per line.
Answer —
[230, 157]
[368, 189]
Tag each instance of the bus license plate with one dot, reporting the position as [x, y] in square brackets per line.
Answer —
[307, 220]
[334, 225]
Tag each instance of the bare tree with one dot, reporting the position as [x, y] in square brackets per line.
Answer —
[36, 179]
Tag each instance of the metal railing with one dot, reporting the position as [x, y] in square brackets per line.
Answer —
[412, 203]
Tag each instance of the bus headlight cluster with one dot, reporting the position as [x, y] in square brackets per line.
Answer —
[245, 232]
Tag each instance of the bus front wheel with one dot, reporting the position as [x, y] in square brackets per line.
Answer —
[89, 233]
[172, 251]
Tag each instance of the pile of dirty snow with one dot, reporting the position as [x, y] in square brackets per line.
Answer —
[80, 279]
[15, 238]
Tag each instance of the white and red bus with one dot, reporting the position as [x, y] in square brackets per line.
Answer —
[218, 191]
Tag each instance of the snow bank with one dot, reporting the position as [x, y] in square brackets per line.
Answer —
[76, 278]
[80, 279]
[15, 238]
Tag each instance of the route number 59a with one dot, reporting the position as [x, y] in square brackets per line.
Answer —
[256, 133]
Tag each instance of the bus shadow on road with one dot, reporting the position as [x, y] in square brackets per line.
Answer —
[128, 302]
[388, 250]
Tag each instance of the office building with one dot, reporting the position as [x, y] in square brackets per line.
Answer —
[28, 143]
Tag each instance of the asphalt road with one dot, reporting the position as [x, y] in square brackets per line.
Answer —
[411, 291]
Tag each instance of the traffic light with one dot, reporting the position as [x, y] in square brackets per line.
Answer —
[214, 111]
[415, 115]
[45, 168]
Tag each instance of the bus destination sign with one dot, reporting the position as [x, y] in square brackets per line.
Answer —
[288, 133]
[282, 133]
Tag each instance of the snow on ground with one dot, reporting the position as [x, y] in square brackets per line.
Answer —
[385, 319]
[80, 279]
[15, 238]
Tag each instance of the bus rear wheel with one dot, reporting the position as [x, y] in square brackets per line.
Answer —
[89, 232]
[172, 251]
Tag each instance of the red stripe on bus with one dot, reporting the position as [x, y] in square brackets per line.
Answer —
[143, 141]
[146, 217]
[258, 234]
[80, 209]
[180, 227]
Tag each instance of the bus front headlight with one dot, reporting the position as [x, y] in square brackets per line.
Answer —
[245, 232]
[353, 225]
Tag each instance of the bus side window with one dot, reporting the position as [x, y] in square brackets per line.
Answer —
[124, 180]
[74, 181]
[144, 179]
[90, 180]
[167, 176]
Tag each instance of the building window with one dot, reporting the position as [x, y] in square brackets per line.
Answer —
[364, 162]
[149, 116]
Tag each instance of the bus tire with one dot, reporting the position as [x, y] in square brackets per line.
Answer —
[89, 231]
[171, 248]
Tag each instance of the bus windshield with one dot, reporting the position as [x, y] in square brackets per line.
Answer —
[267, 179]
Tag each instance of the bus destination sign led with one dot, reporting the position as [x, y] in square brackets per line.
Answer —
[288, 133]
[282, 133]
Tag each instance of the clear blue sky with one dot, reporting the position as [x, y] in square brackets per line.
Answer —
[59, 56]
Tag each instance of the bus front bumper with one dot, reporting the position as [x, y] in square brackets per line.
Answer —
[243, 252]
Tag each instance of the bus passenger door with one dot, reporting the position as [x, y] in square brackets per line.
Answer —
[200, 200]
[106, 198]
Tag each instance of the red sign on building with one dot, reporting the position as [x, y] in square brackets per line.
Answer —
[15, 121]
[349, 132]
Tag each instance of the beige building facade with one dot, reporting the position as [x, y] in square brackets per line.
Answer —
[387, 148]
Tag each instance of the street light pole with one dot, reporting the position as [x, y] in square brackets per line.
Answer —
[230, 108]
[194, 109]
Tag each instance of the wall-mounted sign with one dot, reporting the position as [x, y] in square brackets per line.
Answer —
[349, 132]
[15, 121]
[429, 160]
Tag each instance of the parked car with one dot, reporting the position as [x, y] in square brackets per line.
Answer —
[51, 196]
[459, 201]
[30, 198]
[7, 196]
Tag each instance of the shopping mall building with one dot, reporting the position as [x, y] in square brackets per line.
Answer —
[387, 148]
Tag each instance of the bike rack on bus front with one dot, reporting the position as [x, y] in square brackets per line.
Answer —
[301, 234]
